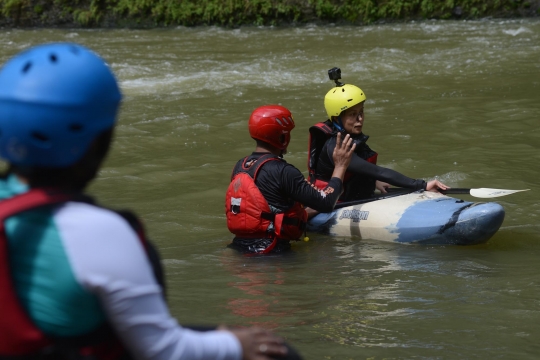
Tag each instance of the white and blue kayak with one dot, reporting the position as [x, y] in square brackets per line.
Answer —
[419, 217]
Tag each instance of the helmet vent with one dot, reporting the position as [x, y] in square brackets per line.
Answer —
[39, 136]
[75, 127]
[53, 58]
[279, 122]
[26, 67]
[349, 100]
[342, 90]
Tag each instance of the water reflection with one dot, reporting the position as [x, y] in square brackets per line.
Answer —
[411, 297]
[263, 285]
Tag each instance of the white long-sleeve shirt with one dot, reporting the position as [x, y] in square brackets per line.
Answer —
[78, 264]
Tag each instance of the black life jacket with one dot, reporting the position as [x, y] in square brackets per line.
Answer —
[19, 337]
[248, 212]
[355, 186]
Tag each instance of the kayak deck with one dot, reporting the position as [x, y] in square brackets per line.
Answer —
[419, 217]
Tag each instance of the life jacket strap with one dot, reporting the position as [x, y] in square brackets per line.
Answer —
[285, 220]
[24, 341]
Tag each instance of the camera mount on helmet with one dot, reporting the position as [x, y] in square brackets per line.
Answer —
[335, 74]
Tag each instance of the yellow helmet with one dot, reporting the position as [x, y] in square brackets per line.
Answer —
[341, 98]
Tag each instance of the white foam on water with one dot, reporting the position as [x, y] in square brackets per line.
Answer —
[524, 226]
[430, 28]
[167, 262]
[175, 83]
[406, 137]
[162, 119]
[518, 31]
[452, 177]
[238, 124]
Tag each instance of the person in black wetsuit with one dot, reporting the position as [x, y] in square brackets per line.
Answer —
[344, 105]
[266, 198]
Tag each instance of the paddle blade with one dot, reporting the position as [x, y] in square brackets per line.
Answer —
[492, 193]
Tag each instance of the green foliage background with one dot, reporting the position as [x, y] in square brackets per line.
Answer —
[153, 13]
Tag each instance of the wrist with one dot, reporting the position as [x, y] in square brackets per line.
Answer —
[339, 175]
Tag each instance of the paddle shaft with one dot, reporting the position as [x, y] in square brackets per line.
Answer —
[393, 192]
[455, 191]
[447, 191]
[390, 194]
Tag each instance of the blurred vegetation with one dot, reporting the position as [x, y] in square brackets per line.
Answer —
[231, 13]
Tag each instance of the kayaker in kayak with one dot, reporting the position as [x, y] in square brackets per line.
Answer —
[266, 198]
[78, 281]
[344, 105]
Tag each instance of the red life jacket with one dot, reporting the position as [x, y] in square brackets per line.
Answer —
[248, 212]
[18, 335]
[318, 135]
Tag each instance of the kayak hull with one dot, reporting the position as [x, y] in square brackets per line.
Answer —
[420, 217]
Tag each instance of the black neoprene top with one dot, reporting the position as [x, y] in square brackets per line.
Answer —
[282, 184]
[364, 172]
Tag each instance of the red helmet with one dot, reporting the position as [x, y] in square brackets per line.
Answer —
[272, 124]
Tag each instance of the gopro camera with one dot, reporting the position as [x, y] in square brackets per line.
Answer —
[335, 74]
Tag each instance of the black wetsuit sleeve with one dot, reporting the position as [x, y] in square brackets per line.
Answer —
[296, 187]
[363, 167]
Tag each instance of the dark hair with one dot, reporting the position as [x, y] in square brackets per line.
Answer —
[75, 177]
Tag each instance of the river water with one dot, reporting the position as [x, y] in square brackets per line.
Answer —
[456, 100]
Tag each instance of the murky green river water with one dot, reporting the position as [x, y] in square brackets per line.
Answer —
[457, 100]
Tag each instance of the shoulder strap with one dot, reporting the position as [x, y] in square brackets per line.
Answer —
[32, 199]
[102, 340]
[39, 197]
[24, 336]
[151, 251]
[324, 127]
[252, 168]
[318, 134]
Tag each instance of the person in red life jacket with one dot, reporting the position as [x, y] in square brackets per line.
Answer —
[265, 201]
[344, 105]
[79, 281]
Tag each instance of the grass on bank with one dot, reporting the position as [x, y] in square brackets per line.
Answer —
[151, 13]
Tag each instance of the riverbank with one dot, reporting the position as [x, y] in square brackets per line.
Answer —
[232, 13]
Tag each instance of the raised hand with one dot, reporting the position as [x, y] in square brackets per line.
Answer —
[342, 155]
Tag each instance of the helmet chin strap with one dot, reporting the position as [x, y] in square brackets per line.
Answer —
[338, 124]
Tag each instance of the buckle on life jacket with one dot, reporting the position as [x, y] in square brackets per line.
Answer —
[235, 205]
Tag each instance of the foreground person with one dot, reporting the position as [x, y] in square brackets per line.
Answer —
[266, 198]
[78, 281]
[344, 105]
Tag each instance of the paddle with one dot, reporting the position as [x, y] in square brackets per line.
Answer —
[482, 192]
[391, 194]
[479, 193]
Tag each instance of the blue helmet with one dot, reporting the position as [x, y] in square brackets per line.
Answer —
[55, 99]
